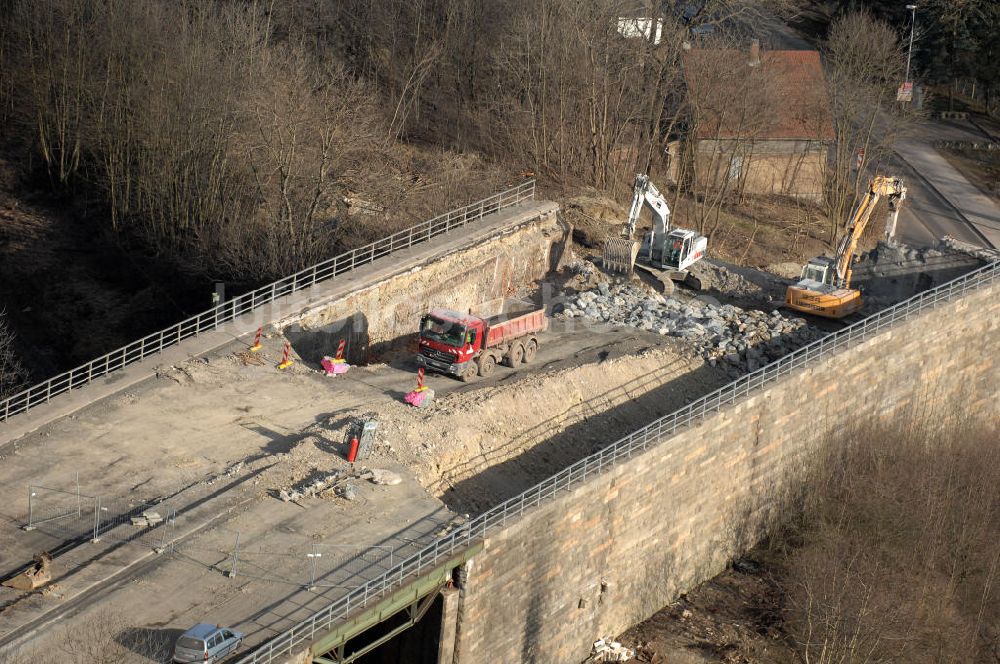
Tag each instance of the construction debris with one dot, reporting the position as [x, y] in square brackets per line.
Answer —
[248, 358]
[739, 339]
[607, 650]
[339, 484]
[35, 576]
[384, 477]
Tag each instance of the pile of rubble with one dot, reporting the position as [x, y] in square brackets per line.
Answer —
[737, 339]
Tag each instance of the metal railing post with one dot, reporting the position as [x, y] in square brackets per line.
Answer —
[31, 508]
[97, 520]
[236, 557]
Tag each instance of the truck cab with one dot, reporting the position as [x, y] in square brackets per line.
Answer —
[449, 341]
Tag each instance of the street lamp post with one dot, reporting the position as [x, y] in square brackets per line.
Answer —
[909, 52]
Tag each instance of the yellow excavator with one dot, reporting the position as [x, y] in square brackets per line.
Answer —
[825, 286]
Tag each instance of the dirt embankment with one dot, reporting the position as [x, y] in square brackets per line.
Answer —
[476, 449]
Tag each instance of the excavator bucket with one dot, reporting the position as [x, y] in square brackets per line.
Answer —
[620, 254]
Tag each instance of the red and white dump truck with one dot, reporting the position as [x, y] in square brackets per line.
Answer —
[467, 345]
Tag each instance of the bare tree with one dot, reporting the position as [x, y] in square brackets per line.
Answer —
[865, 63]
[12, 375]
[896, 559]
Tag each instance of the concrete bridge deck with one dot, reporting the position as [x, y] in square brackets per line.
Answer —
[242, 329]
[214, 439]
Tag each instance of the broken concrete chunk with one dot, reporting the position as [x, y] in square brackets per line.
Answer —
[140, 521]
[289, 495]
[152, 518]
[35, 576]
[348, 491]
[385, 477]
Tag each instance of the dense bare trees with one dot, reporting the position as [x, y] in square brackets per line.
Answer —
[896, 559]
[865, 63]
[551, 86]
[230, 135]
[11, 373]
[201, 130]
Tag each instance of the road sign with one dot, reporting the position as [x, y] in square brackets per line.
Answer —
[905, 92]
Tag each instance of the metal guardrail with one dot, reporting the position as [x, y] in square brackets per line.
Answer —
[639, 441]
[213, 318]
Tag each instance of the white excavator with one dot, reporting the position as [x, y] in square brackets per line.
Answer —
[664, 253]
[825, 287]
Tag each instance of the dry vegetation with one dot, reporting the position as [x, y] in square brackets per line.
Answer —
[11, 373]
[892, 557]
[200, 130]
[895, 557]
[105, 636]
[251, 139]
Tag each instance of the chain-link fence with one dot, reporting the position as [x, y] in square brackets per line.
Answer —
[60, 509]
[72, 515]
[315, 566]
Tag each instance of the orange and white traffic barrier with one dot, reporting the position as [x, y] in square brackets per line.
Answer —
[256, 341]
[286, 360]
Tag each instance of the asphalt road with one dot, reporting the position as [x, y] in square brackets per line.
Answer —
[926, 215]
[973, 217]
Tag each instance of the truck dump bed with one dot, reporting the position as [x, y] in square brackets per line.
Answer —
[509, 319]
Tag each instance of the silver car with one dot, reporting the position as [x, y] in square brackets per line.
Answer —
[206, 643]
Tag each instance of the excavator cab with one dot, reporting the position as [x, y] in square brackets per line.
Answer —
[819, 270]
[662, 248]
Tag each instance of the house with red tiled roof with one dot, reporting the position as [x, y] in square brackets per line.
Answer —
[759, 122]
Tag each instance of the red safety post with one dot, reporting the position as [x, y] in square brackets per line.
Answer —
[352, 453]
[420, 379]
[286, 360]
[256, 341]
[340, 351]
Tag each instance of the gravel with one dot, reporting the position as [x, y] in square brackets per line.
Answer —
[738, 340]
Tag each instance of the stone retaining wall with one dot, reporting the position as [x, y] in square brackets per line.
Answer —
[377, 317]
[621, 546]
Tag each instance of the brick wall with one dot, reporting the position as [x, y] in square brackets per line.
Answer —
[619, 547]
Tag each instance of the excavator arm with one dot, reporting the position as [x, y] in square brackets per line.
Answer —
[880, 186]
[646, 193]
[620, 253]
[825, 287]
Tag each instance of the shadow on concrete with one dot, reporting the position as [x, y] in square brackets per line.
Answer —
[312, 345]
[548, 448]
[494, 476]
[151, 643]
[299, 604]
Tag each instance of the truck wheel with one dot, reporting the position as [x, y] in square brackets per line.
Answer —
[487, 363]
[469, 373]
[515, 355]
[530, 349]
